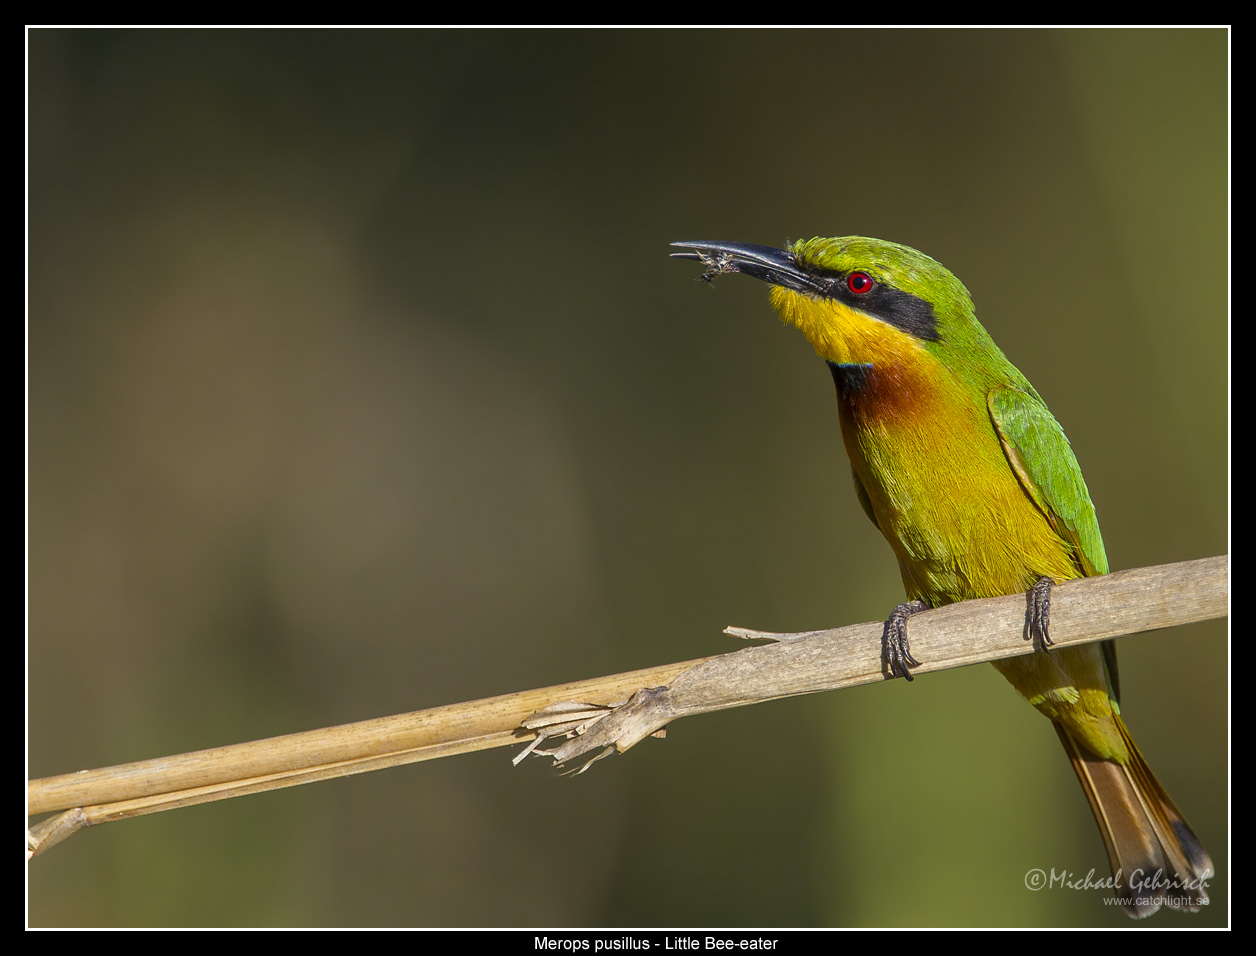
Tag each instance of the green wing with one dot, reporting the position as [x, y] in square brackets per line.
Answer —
[1039, 453]
[1043, 460]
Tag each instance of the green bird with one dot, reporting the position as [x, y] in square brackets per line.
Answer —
[958, 462]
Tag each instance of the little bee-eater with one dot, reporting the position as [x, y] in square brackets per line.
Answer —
[958, 462]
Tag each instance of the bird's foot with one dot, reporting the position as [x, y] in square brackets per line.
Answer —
[1038, 613]
[895, 647]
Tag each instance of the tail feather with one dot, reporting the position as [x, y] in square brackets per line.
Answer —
[1155, 857]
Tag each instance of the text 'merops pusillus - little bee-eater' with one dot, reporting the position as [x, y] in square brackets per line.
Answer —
[958, 462]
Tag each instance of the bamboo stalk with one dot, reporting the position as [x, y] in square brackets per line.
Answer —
[1090, 609]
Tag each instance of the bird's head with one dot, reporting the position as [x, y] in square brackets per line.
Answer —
[856, 300]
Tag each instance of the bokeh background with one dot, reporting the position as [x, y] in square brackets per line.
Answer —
[360, 382]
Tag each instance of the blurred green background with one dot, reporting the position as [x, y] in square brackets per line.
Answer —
[360, 382]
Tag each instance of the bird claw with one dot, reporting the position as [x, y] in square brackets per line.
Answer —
[895, 646]
[1038, 614]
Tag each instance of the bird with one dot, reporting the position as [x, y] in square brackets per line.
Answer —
[964, 470]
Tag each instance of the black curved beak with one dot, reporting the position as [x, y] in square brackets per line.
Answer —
[773, 266]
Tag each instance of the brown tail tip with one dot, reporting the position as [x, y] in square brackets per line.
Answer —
[1156, 858]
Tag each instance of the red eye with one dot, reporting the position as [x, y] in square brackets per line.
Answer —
[859, 283]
